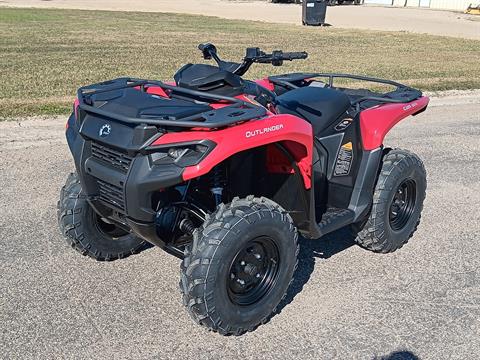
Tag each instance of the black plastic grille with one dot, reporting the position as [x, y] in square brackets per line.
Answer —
[111, 194]
[112, 157]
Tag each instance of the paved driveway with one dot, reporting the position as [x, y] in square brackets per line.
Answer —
[346, 303]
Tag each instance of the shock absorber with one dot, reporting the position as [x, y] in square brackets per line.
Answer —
[187, 226]
[217, 183]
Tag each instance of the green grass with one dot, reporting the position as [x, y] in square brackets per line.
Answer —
[45, 55]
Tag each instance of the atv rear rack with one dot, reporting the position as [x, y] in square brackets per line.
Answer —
[237, 110]
[402, 93]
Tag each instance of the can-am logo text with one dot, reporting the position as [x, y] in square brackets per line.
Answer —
[252, 133]
[410, 106]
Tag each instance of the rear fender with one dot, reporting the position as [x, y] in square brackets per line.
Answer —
[376, 122]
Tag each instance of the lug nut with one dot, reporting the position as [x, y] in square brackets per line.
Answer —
[242, 263]
[257, 256]
[241, 282]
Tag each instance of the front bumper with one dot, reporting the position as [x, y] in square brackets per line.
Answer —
[120, 183]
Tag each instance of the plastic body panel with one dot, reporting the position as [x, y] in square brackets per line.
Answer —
[319, 106]
[376, 122]
[276, 128]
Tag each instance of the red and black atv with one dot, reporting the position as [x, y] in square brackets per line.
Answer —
[225, 172]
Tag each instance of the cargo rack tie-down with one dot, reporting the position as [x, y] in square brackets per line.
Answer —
[234, 111]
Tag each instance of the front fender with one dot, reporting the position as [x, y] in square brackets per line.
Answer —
[251, 134]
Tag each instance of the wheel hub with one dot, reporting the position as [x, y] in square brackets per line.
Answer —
[250, 269]
[253, 271]
[403, 204]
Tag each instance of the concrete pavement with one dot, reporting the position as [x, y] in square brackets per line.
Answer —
[346, 303]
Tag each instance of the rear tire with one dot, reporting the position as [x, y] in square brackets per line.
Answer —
[86, 232]
[397, 203]
[239, 266]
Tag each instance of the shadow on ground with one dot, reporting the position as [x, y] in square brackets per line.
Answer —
[398, 355]
[323, 248]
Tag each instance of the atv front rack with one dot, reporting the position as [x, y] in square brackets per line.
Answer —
[235, 110]
[401, 94]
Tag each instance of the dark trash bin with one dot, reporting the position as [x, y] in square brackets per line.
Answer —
[314, 12]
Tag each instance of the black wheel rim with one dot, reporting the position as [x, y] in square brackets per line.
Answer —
[253, 272]
[403, 204]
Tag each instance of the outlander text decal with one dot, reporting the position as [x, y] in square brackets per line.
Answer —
[252, 133]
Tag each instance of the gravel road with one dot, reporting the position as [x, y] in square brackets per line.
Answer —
[346, 303]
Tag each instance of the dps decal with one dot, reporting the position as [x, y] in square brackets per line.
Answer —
[342, 125]
[344, 160]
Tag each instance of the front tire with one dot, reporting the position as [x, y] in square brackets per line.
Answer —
[397, 203]
[86, 232]
[239, 266]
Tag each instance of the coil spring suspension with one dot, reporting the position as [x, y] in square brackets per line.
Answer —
[218, 182]
[187, 226]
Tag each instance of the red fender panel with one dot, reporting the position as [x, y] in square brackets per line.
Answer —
[266, 84]
[376, 122]
[296, 134]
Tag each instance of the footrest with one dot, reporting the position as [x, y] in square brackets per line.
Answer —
[334, 219]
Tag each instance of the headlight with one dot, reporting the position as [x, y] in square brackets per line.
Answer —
[182, 154]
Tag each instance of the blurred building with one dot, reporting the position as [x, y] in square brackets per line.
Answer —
[460, 5]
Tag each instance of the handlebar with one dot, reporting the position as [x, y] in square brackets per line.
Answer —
[253, 55]
[277, 57]
[295, 55]
[208, 50]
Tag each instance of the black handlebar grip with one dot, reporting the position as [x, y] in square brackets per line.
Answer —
[295, 55]
[207, 49]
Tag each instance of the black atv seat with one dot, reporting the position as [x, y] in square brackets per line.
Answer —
[319, 106]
